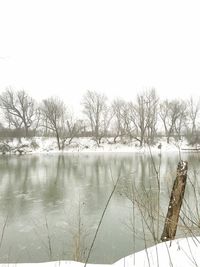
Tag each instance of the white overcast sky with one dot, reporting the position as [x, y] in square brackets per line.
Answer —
[65, 47]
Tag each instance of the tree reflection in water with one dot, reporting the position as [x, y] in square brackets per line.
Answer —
[35, 186]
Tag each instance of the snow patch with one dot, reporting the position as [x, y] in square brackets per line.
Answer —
[86, 144]
[183, 252]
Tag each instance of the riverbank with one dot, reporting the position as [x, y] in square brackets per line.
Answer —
[177, 253]
[86, 144]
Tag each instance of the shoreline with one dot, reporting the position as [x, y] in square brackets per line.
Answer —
[42, 145]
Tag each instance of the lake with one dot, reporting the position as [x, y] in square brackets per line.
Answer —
[51, 204]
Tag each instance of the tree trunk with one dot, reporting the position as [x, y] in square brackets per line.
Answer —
[26, 131]
[175, 203]
[115, 139]
[141, 137]
[168, 136]
[58, 140]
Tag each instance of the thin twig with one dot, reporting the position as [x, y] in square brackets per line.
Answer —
[49, 239]
[101, 219]
[3, 231]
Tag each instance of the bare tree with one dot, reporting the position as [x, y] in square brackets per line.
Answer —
[53, 112]
[73, 129]
[106, 120]
[172, 114]
[193, 108]
[94, 105]
[144, 116]
[19, 109]
[182, 119]
[121, 119]
[152, 101]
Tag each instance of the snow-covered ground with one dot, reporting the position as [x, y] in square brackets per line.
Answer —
[183, 252]
[47, 145]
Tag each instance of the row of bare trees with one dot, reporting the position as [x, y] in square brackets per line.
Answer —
[142, 119]
[23, 116]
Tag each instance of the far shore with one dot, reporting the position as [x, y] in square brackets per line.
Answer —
[44, 145]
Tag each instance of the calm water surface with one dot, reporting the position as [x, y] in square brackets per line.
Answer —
[53, 203]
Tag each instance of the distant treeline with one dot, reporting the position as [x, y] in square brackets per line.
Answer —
[143, 119]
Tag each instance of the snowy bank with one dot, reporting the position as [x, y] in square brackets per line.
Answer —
[183, 252]
[86, 144]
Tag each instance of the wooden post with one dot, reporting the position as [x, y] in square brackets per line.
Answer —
[175, 202]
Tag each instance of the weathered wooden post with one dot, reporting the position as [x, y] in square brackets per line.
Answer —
[175, 202]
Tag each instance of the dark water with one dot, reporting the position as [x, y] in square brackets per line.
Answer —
[52, 204]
